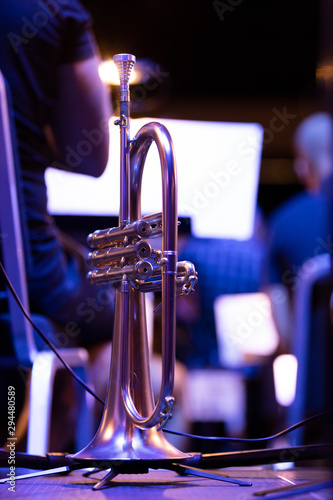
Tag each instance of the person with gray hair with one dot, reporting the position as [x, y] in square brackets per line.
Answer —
[313, 144]
[301, 228]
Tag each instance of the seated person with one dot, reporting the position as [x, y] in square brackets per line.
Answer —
[49, 59]
[300, 228]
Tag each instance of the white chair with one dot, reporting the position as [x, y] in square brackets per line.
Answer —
[309, 275]
[43, 364]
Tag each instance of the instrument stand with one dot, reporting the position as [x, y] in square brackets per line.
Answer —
[195, 465]
[130, 468]
[182, 470]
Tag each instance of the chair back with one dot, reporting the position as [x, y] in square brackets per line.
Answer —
[312, 341]
[11, 241]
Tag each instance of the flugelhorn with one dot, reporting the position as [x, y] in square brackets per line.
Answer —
[130, 430]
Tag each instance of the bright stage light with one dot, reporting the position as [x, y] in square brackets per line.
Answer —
[285, 375]
[109, 73]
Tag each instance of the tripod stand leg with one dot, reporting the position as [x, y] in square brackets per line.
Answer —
[90, 472]
[184, 469]
[106, 480]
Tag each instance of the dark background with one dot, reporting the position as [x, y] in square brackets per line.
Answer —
[233, 60]
[256, 48]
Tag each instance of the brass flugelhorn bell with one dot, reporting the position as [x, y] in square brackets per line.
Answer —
[130, 431]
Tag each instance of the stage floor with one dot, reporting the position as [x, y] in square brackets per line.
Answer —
[170, 485]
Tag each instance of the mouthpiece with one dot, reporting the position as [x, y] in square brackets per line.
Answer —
[124, 63]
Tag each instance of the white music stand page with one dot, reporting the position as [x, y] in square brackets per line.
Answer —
[218, 167]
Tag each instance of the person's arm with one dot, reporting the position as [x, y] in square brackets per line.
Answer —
[78, 131]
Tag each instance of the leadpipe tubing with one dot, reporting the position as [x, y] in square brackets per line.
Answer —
[125, 63]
